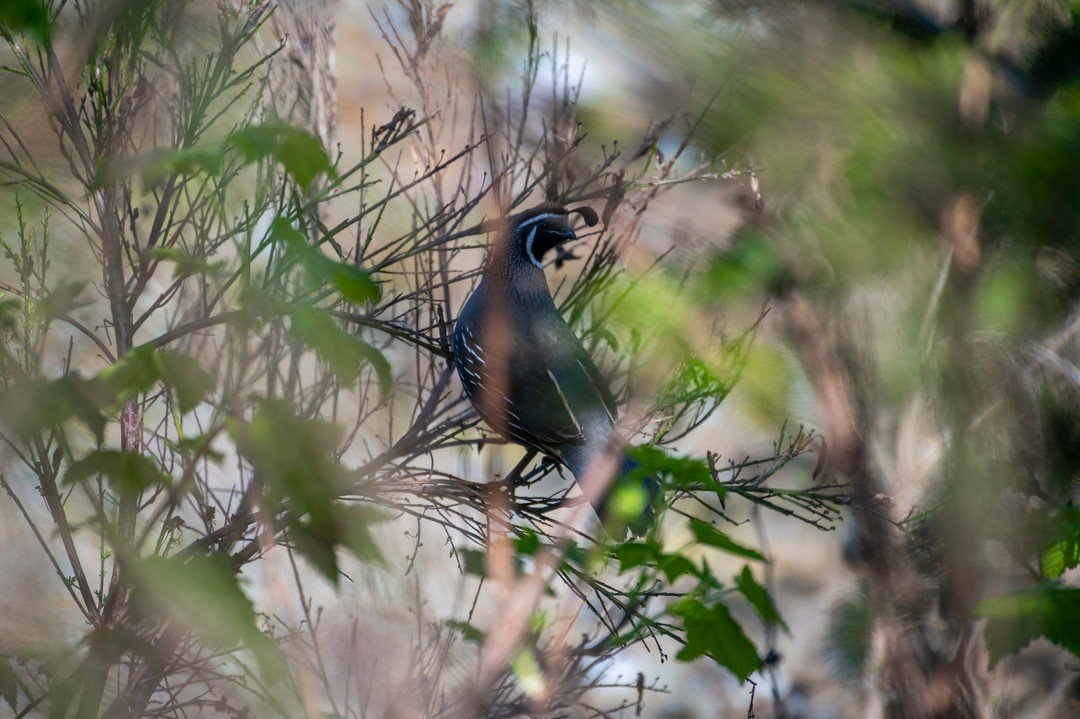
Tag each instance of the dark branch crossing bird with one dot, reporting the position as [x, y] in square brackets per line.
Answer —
[522, 367]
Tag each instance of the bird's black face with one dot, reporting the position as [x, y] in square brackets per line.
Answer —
[545, 227]
[540, 233]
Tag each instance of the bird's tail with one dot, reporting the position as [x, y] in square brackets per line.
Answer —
[631, 501]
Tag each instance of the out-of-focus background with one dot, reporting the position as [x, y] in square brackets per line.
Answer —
[849, 230]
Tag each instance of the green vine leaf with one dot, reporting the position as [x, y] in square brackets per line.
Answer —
[299, 152]
[9, 684]
[345, 353]
[759, 598]
[128, 473]
[711, 631]
[1047, 610]
[709, 535]
[204, 595]
[29, 16]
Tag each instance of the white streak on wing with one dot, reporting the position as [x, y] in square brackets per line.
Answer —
[514, 419]
[529, 246]
[566, 404]
[469, 349]
[461, 345]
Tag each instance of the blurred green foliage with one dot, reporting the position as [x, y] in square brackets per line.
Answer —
[296, 150]
[29, 16]
[204, 593]
[920, 191]
[1045, 610]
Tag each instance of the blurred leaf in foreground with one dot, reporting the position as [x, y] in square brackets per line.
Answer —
[127, 473]
[299, 152]
[204, 595]
[345, 353]
[1047, 610]
[295, 457]
[29, 16]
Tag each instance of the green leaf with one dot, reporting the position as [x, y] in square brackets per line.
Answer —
[357, 520]
[1059, 556]
[626, 500]
[1048, 610]
[135, 372]
[538, 622]
[339, 349]
[468, 632]
[345, 353]
[353, 283]
[298, 151]
[62, 300]
[527, 671]
[683, 472]
[1060, 530]
[197, 445]
[751, 265]
[32, 406]
[29, 16]
[186, 264]
[848, 641]
[528, 543]
[141, 368]
[713, 537]
[295, 456]
[711, 631]
[204, 595]
[282, 231]
[187, 378]
[9, 684]
[635, 554]
[576, 556]
[676, 565]
[167, 162]
[318, 537]
[474, 561]
[759, 598]
[316, 543]
[9, 313]
[128, 473]
[384, 373]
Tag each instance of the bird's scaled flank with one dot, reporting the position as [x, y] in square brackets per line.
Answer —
[531, 379]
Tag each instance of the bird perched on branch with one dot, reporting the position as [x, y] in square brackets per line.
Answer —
[526, 372]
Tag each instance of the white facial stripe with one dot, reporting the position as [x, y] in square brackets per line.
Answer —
[528, 248]
[545, 216]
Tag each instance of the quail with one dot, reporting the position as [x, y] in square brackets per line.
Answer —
[521, 365]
